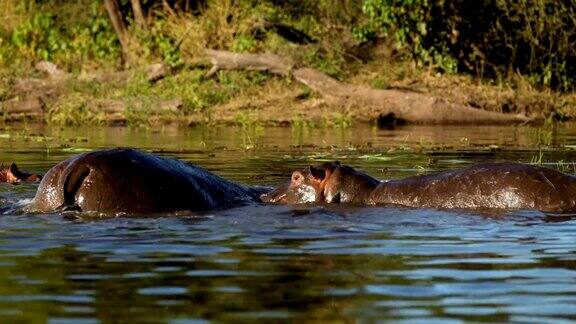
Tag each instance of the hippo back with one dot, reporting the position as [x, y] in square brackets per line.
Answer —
[134, 182]
[487, 185]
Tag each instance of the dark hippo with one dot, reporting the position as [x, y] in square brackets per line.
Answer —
[11, 174]
[134, 182]
[481, 186]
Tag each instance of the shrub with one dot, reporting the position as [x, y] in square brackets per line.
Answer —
[44, 36]
[490, 38]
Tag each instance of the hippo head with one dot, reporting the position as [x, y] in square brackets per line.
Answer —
[305, 186]
[328, 182]
[11, 174]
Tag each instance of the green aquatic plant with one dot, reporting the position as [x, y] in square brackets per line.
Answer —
[300, 124]
[566, 167]
[376, 157]
[542, 135]
[537, 159]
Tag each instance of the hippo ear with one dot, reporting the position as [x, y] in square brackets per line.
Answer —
[317, 173]
[12, 174]
[14, 169]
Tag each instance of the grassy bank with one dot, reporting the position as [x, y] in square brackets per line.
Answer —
[352, 41]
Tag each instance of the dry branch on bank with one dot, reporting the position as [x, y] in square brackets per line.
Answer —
[223, 60]
[32, 106]
[153, 73]
[29, 97]
[365, 103]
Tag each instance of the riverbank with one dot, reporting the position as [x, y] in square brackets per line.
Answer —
[199, 94]
[309, 63]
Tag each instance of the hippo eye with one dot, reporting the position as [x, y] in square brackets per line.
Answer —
[318, 173]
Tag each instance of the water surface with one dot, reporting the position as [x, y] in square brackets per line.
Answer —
[291, 263]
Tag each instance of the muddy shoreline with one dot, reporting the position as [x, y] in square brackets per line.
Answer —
[289, 95]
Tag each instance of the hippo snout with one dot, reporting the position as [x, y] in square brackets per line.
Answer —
[278, 195]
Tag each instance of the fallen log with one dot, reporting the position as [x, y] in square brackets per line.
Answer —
[223, 60]
[52, 71]
[33, 86]
[45, 89]
[404, 105]
[54, 84]
[365, 103]
[37, 92]
[153, 73]
[32, 106]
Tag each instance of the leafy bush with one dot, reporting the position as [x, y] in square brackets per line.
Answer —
[495, 39]
[95, 39]
[38, 38]
[43, 36]
[490, 38]
[157, 42]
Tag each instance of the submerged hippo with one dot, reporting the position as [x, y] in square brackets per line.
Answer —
[134, 182]
[481, 186]
[11, 174]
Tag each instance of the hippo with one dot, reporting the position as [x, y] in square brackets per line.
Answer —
[129, 181]
[504, 185]
[11, 174]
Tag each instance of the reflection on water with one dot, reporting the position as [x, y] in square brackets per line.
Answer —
[287, 263]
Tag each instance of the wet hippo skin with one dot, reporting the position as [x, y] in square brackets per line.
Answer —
[481, 186]
[134, 182]
[11, 174]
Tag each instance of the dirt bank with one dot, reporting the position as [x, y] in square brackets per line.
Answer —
[290, 93]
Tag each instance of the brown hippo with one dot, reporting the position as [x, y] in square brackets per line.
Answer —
[134, 182]
[481, 186]
[11, 174]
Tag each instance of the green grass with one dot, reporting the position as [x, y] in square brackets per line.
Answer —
[83, 105]
[79, 38]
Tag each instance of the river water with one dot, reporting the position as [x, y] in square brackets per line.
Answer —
[289, 263]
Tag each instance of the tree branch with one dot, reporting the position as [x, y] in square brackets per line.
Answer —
[139, 14]
[368, 103]
[117, 23]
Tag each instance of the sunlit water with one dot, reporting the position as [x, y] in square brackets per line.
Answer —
[289, 263]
